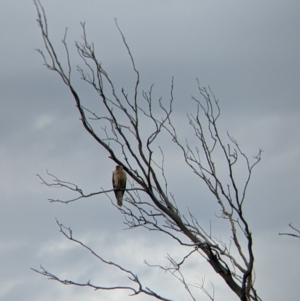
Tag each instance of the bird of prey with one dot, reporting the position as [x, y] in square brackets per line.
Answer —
[119, 183]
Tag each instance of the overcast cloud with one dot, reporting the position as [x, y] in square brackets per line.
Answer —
[246, 51]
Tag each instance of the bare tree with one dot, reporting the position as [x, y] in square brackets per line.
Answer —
[148, 202]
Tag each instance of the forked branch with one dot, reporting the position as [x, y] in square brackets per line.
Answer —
[297, 235]
[139, 289]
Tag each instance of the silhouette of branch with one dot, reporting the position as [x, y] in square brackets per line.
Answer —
[67, 232]
[292, 234]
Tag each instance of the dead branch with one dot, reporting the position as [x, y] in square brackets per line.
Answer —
[67, 232]
[292, 234]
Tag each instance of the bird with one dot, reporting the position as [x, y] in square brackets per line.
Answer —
[119, 183]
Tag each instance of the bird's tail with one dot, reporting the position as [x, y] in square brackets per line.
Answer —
[119, 196]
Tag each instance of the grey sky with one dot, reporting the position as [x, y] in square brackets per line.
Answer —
[246, 51]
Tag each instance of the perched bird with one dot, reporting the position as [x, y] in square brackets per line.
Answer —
[119, 183]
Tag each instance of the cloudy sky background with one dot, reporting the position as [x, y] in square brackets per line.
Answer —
[246, 51]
